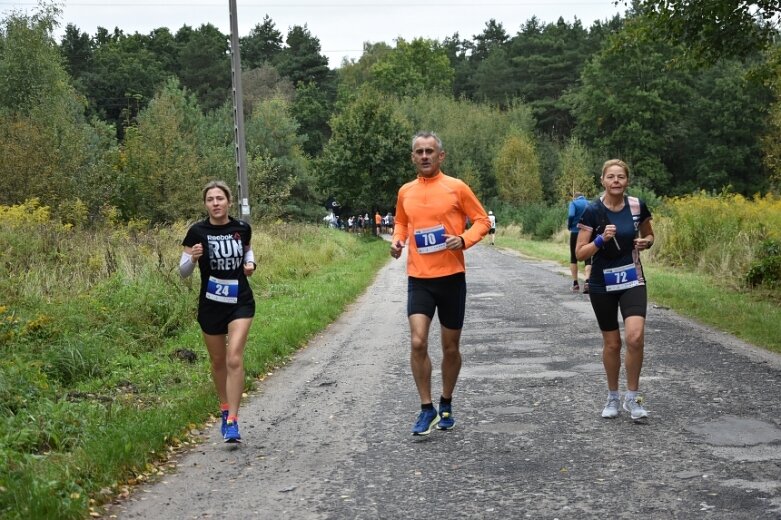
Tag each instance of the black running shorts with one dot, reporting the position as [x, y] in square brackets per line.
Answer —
[214, 318]
[446, 295]
[632, 302]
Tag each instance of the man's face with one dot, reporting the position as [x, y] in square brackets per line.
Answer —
[426, 156]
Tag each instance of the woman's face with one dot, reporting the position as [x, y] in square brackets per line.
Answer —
[217, 204]
[615, 180]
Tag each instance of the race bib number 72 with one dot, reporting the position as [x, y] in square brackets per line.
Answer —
[619, 278]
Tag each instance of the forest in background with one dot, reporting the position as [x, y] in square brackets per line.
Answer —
[106, 139]
[135, 124]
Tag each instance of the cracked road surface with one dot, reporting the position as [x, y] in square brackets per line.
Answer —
[327, 436]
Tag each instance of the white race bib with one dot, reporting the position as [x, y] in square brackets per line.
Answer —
[430, 240]
[620, 278]
[223, 291]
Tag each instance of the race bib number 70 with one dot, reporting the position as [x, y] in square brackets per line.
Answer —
[430, 240]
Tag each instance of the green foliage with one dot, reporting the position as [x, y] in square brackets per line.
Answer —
[367, 158]
[312, 109]
[205, 66]
[261, 46]
[771, 140]
[48, 150]
[729, 115]
[680, 129]
[629, 105]
[276, 158]
[471, 134]
[546, 62]
[160, 170]
[715, 29]
[352, 74]
[121, 79]
[412, 69]
[577, 171]
[716, 234]
[262, 83]
[766, 269]
[518, 171]
[301, 61]
[536, 220]
[31, 70]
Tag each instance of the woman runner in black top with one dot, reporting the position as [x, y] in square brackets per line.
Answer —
[613, 231]
[220, 246]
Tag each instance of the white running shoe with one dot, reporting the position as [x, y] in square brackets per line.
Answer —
[611, 408]
[635, 408]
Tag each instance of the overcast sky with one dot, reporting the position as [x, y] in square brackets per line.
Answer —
[342, 26]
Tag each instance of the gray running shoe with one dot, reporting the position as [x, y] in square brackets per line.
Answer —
[611, 408]
[635, 408]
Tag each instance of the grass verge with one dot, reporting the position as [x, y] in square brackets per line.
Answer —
[97, 387]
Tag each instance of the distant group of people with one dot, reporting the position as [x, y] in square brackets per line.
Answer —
[362, 223]
[431, 218]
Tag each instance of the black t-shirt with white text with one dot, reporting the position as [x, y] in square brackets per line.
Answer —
[222, 264]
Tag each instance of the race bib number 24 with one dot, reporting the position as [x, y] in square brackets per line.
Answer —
[223, 291]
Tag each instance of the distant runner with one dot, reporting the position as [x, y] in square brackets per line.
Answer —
[575, 210]
[431, 212]
[492, 230]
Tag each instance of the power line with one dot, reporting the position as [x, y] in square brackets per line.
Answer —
[448, 4]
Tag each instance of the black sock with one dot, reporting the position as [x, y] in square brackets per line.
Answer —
[429, 406]
[444, 401]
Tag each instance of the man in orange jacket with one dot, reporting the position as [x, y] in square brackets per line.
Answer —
[431, 212]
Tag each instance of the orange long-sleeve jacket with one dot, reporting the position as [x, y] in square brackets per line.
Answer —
[426, 209]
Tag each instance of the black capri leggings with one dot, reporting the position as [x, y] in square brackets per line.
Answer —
[632, 302]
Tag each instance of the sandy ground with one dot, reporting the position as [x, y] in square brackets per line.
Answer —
[328, 435]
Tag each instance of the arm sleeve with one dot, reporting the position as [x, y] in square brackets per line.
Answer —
[186, 265]
[249, 256]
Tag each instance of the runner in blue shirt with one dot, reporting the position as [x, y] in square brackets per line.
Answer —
[576, 208]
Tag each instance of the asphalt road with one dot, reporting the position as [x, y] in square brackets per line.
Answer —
[328, 435]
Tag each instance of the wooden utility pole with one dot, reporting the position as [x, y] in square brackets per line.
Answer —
[238, 116]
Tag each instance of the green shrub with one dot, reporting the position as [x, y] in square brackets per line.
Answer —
[766, 269]
[537, 220]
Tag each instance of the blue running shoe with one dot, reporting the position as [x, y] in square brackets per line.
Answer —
[427, 419]
[224, 414]
[446, 421]
[232, 432]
